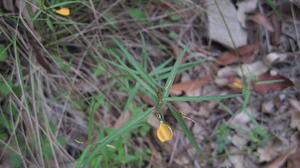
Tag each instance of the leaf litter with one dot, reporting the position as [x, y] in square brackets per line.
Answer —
[223, 24]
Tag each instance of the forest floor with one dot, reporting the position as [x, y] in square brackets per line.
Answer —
[90, 82]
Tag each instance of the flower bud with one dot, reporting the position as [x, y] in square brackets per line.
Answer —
[63, 11]
[164, 132]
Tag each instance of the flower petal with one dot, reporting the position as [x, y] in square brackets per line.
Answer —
[164, 133]
[63, 11]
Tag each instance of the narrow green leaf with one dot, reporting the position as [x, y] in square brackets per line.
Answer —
[5, 87]
[137, 66]
[131, 96]
[133, 73]
[50, 24]
[161, 67]
[3, 52]
[246, 97]
[173, 35]
[269, 81]
[111, 20]
[164, 73]
[65, 3]
[144, 53]
[138, 15]
[174, 72]
[226, 108]
[94, 106]
[186, 131]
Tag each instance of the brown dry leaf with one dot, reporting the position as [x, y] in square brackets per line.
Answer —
[146, 98]
[274, 58]
[295, 119]
[295, 104]
[245, 7]
[256, 68]
[220, 22]
[236, 160]
[246, 53]
[238, 141]
[281, 159]
[268, 107]
[242, 119]
[122, 120]
[262, 19]
[277, 30]
[206, 109]
[189, 85]
[153, 121]
[294, 159]
[276, 86]
[289, 14]
[271, 151]
[164, 5]
[184, 107]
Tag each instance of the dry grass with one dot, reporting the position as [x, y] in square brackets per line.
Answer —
[59, 94]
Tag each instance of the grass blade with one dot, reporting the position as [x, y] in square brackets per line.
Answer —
[137, 66]
[65, 4]
[145, 53]
[174, 72]
[131, 95]
[182, 68]
[186, 131]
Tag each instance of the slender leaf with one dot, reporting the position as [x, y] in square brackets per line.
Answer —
[186, 131]
[145, 53]
[137, 66]
[131, 96]
[65, 3]
[174, 72]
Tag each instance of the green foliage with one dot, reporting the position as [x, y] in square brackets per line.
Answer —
[256, 137]
[3, 52]
[64, 3]
[111, 20]
[50, 24]
[222, 135]
[175, 17]
[149, 83]
[139, 15]
[62, 64]
[5, 87]
[173, 35]
[93, 150]
[259, 137]
[16, 160]
[113, 148]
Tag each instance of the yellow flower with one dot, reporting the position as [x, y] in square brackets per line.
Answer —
[63, 11]
[238, 84]
[164, 132]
